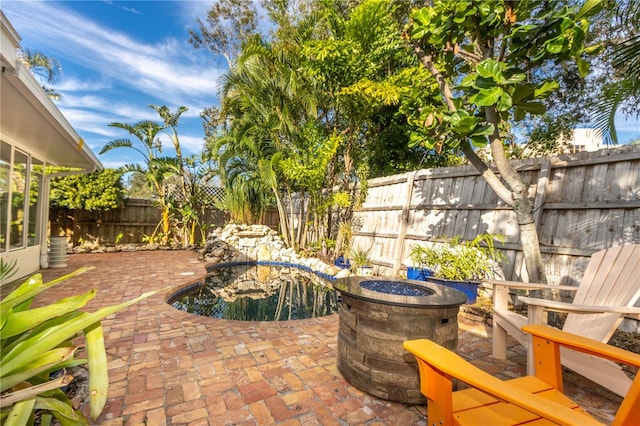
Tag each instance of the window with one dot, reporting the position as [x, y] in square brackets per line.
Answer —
[5, 167]
[19, 192]
[35, 198]
[21, 183]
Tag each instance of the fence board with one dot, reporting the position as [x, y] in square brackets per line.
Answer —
[585, 202]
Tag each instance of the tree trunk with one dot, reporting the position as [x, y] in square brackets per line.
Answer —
[509, 186]
[284, 227]
[519, 201]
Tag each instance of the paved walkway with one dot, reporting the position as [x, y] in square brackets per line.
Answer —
[168, 367]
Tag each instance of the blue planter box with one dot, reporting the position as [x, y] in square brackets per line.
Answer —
[470, 288]
[421, 274]
[342, 263]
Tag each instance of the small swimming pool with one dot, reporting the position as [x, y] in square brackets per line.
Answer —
[259, 292]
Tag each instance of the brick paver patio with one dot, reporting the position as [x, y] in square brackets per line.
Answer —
[168, 367]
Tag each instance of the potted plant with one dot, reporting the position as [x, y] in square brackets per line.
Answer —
[420, 258]
[360, 262]
[459, 264]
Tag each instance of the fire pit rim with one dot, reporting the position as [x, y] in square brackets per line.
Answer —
[442, 297]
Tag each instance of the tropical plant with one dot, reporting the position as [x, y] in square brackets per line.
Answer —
[188, 172]
[484, 58]
[622, 55]
[307, 109]
[343, 241]
[45, 67]
[359, 256]
[154, 170]
[263, 101]
[458, 260]
[36, 342]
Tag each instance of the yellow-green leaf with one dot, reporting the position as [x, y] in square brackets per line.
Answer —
[19, 414]
[19, 322]
[589, 8]
[545, 89]
[50, 338]
[98, 371]
[43, 363]
[64, 413]
[30, 289]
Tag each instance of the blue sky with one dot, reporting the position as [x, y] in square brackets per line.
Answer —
[118, 57]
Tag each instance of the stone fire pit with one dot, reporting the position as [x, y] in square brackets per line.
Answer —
[376, 316]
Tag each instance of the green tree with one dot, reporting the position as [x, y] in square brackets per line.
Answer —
[482, 56]
[196, 172]
[98, 191]
[229, 23]
[136, 187]
[176, 181]
[260, 102]
[101, 190]
[331, 78]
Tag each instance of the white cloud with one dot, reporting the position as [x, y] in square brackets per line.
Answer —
[74, 84]
[194, 144]
[167, 69]
[113, 76]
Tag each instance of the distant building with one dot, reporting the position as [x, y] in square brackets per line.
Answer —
[586, 139]
[33, 135]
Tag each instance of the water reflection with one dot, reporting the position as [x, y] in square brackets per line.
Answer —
[260, 293]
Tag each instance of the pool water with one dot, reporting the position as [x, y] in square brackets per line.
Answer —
[259, 292]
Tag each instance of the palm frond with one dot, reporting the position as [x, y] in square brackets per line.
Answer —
[47, 67]
[116, 143]
[614, 95]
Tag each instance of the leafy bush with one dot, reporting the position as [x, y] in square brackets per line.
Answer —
[101, 190]
[460, 261]
[34, 343]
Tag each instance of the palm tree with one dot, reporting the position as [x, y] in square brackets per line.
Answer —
[155, 168]
[625, 62]
[45, 67]
[264, 104]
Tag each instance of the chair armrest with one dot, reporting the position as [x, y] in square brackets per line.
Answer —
[437, 360]
[579, 309]
[529, 286]
[583, 344]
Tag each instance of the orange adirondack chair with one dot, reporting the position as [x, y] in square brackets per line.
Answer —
[607, 292]
[536, 399]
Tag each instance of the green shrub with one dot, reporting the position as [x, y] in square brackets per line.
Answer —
[35, 342]
[460, 261]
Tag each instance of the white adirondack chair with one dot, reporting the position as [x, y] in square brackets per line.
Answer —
[608, 291]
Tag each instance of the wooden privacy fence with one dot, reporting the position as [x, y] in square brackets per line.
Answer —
[583, 203]
[129, 224]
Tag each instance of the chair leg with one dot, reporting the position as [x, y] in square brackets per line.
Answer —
[499, 344]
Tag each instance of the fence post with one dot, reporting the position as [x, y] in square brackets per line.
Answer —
[541, 190]
[403, 225]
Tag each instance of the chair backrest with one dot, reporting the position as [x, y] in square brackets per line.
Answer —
[612, 278]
